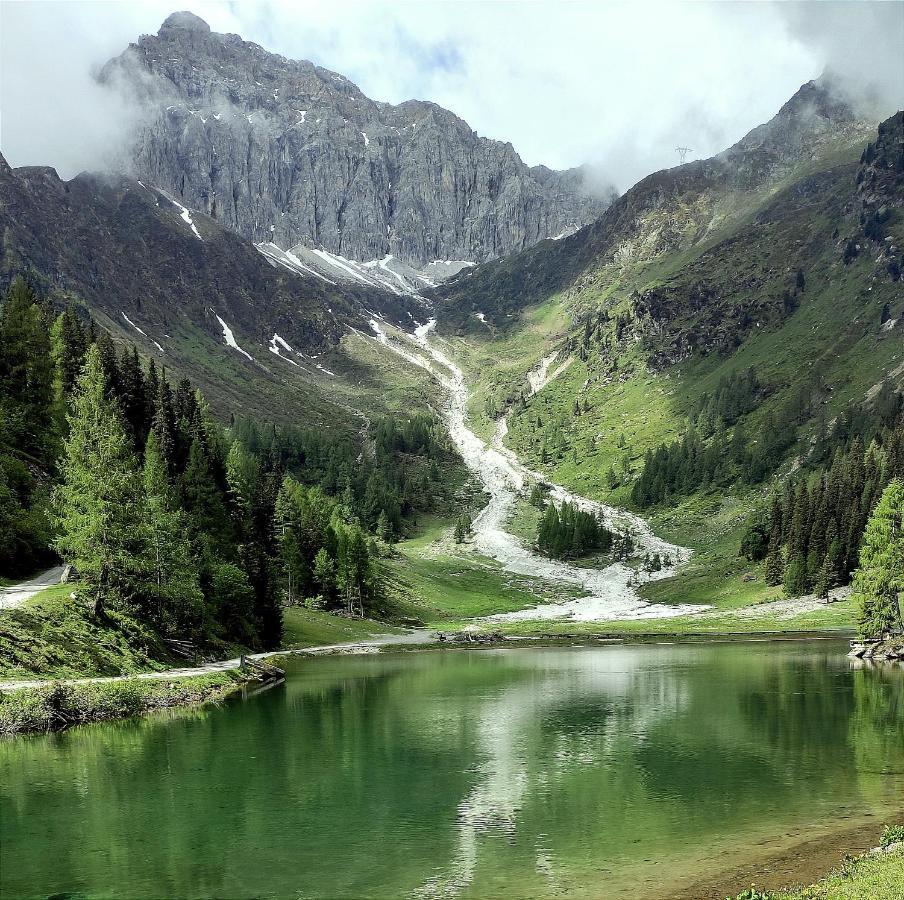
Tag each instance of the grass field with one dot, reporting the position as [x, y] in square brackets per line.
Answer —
[54, 636]
[879, 877]
[445, 586]
[304, 627]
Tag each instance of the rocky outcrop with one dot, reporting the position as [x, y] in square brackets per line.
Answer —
[285, 151]
[673, 211]
[889, 648]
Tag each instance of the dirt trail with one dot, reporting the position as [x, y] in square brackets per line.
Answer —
[370, 645]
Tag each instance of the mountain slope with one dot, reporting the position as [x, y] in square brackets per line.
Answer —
[669, 212]
[286, 151]
[196, 296]
[785, 261]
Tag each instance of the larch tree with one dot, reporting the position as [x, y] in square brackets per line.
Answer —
[879, 580]
[96, 505]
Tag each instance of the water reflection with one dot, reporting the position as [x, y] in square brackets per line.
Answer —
[508, 772]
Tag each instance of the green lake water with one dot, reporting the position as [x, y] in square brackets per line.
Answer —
[581, 772]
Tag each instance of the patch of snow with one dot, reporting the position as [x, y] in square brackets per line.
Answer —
[340, 262]
[275, 343]
[288, 260]
[139, 330]
[482, 318]
[366, 138]
[381, 335]
[229, 338]
[184, 214]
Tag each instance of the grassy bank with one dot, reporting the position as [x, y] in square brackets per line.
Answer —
[303, 627]
[869, 877]
[55, 636]
[446, 586]
[59, 705]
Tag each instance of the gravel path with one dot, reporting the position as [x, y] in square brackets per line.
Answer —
[16, 594]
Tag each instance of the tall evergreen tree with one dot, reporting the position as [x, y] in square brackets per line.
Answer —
[95, 506]
[26, 378]
[879, 581]
[204, 504]
[170, 588]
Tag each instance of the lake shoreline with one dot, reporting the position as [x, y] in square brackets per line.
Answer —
[30, 706]
[789, 865]
[34, 705]
[59, 705]
[773, 852]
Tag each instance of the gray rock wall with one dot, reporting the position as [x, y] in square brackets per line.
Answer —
[286, 151]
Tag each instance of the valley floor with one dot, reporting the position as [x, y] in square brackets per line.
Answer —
[495, 581]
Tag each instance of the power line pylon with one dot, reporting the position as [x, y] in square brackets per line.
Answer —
[682, 154]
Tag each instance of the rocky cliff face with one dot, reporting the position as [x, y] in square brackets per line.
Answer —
[285, 151]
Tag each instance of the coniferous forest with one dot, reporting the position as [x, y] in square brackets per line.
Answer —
[811, 530]
[198, 529]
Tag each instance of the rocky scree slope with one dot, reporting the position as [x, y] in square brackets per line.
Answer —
[285, 151]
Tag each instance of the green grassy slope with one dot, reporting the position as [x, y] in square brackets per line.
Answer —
[711, 305]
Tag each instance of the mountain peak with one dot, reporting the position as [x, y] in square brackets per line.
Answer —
[184, 21]
[285, 151]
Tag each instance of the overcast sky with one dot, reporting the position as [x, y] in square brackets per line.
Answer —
[615, 85]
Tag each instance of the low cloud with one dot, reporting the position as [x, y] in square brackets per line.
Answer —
[615, 86]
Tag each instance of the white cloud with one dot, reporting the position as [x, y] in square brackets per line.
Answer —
[617, 85]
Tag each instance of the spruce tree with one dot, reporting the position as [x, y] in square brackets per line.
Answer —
[796, 576]
[69, 345]
[26, 378]
[879, 581]
[242, 479]
[170, 589]
[824, 579]
[775, 567]
[204, 504]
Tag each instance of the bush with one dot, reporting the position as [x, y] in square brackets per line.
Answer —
[892, 835]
